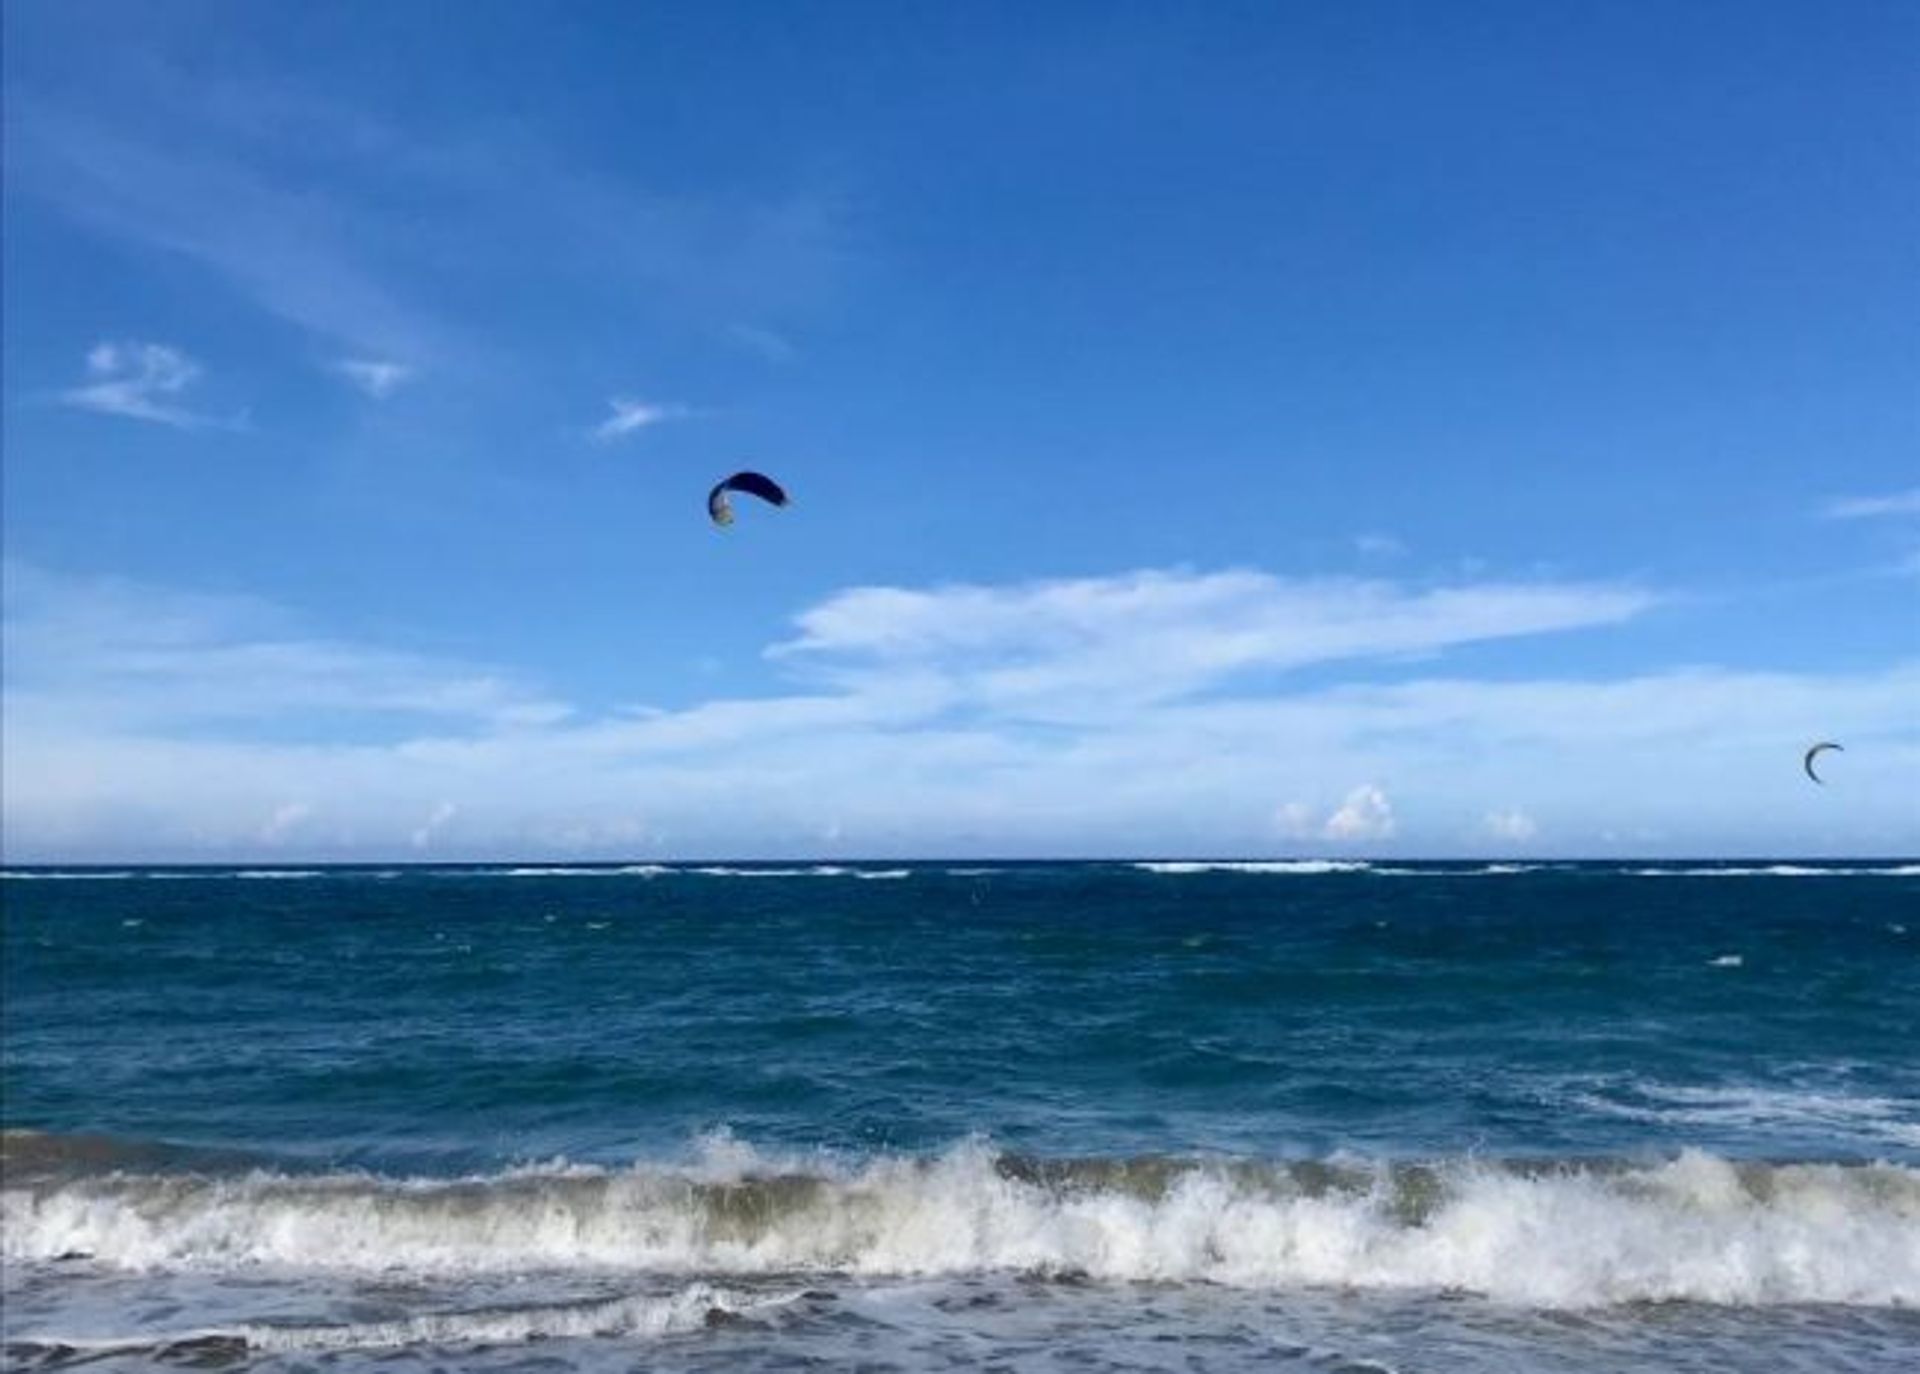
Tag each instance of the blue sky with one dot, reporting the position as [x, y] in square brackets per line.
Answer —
[1251, 429]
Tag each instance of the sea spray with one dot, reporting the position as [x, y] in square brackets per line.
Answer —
[1548, 1235]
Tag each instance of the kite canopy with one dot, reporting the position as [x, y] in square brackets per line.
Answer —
[753, 484]
[1807, 762]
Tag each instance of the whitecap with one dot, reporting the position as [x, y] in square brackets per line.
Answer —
[1778, 871]
[1696, 1228]
[1308, 867]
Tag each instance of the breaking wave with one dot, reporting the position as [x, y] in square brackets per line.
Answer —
[1301, 866]
[1779, 871]
[1562, 1235]
[574, 871]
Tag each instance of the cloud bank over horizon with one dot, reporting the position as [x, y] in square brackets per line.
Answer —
[1157, 712]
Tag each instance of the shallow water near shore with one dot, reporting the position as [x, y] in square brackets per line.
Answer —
[1164, 1115]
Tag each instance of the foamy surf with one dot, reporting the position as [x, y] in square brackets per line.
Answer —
[1305, 867]
[1780, 871]
[1699, 1227]
[574, 871]
[1878, 1122]
[690, 1308]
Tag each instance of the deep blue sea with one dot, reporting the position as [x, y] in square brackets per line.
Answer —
[917, 1116]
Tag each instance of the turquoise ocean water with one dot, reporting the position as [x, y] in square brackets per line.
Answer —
[1302, 1115]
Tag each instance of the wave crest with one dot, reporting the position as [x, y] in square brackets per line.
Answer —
[1305, 867]
[1698, 1227]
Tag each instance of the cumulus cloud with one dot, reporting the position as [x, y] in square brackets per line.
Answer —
[285, 818]
[1366, 814]
[1867, 507]
[156, 723]
[443, 812]
[377, 378]
[140, 381]
[1512, 824]
[629, 416]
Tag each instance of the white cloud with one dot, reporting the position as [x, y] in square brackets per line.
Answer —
[1294, 820]
[769, 344]
[1366, 814]
[106, 653]
[442, 813]
[631, 415]
[283, 821]
[376, 378]
[1511, 824]
[148, 722]
[349, 225]
[1068, 649]
[1377, 545]
[1866, 507]
[177, 184]
[141, 381]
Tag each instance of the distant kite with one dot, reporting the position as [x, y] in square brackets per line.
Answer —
[1807, 762]
[753, 483]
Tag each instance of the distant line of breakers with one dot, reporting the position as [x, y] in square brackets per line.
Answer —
[1166, 867]
[1696, 1228]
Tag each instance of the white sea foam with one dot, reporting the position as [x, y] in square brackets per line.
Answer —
[1487, 871]
[1778, 871]
[881, 874]
[661, 1314]
[1877, 1120]
[817, 871]
[1298, 866]
[578, 871]
[1727, 961]
[1697, 1228]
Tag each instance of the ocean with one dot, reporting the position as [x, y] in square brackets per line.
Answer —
[1307, 1116]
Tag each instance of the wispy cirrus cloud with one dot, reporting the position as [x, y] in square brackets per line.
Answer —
[147, 721]
[1869, 507]
[631, 416]
[770, 344]
[1074, 646]
[185, 187]
[114, 655]
[142, 381]
[1376, 544]
[375, 377]
[374, 234]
